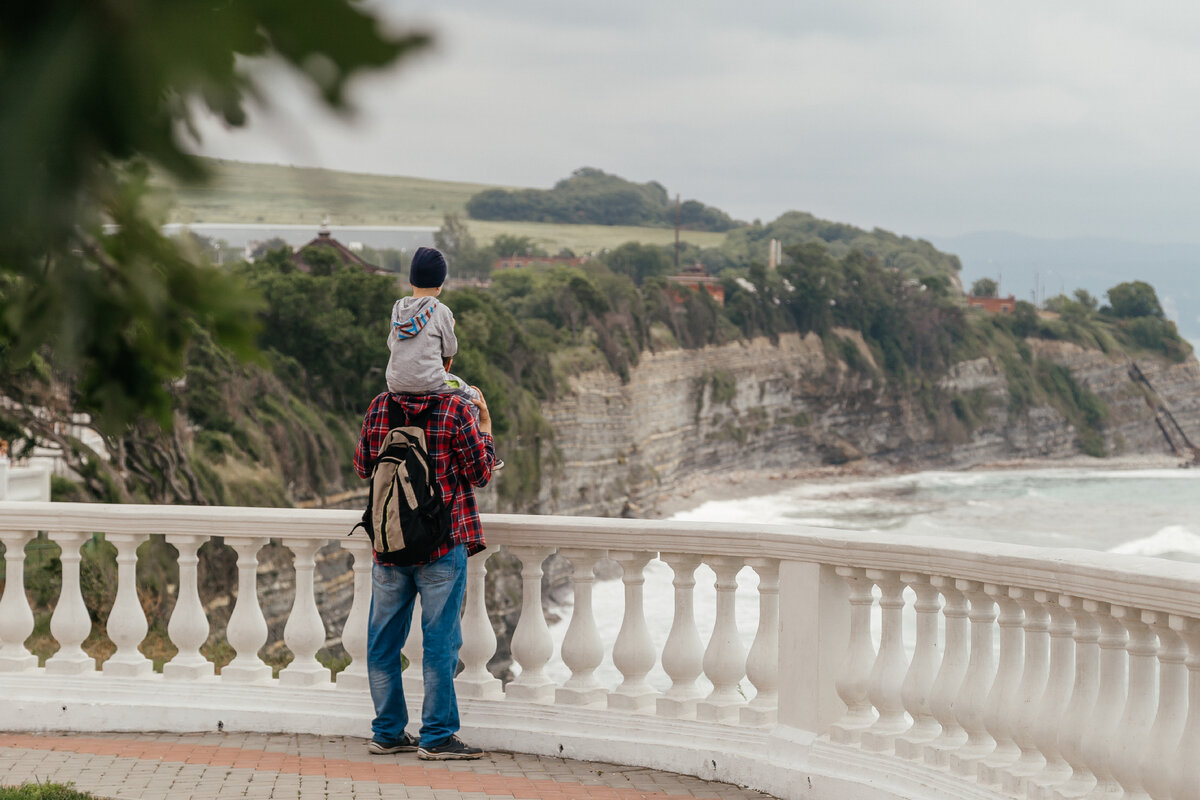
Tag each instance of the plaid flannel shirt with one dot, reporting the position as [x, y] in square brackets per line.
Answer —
[462, 456]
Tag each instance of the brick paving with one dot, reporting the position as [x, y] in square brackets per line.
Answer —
[220, 766]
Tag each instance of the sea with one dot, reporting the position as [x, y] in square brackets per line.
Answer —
[1147, 512]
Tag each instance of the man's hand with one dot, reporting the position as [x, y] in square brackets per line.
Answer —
[485, 418]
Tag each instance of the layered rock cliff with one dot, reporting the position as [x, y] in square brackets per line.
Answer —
[762, 404]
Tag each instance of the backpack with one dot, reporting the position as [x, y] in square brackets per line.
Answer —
[405, 517]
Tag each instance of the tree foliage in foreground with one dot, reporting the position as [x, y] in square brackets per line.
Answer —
[86, 89]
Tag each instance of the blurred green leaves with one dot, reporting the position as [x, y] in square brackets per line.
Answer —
[94, 93]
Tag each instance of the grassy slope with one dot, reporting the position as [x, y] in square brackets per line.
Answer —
[242, 192]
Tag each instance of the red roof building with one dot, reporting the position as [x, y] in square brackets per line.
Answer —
[697, 277]
[993, 305]
[343, 254]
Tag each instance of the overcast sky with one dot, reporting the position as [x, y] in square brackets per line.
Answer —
[1053, 119]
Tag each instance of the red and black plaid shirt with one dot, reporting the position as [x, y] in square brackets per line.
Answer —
[462, 457]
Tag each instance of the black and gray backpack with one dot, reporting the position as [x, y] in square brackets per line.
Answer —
[406, 517]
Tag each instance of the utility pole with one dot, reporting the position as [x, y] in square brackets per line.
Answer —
[676, 234]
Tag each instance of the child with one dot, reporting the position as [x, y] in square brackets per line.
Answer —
[422, 341]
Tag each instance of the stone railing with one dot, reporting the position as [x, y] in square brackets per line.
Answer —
[878, 669]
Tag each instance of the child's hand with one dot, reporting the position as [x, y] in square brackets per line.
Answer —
[485, 418]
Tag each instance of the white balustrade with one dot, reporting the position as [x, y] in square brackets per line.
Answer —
[247, 631]
[725, 656]
[683, 653]
[890, 667]
[1172, 706]
[188, 626]
[127, 625]
[762, 664]
[1034, 674]
[354, 633]
[1133, 730]
[479, 640]
[1094, 690]
[633, 652]
[854, 680]
[950, 675]
[16, 617]
[1080, 709]
[1053, 704]
[582, 650]
[304, 633]
[531, 642]
[70, 623]
[970, 704]
[1103, 734]
[918, 683]
[1002, 710]
[1184, 766]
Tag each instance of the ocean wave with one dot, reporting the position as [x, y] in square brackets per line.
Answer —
[1171, 539]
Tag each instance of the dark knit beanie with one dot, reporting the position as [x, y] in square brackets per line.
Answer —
[428, 270]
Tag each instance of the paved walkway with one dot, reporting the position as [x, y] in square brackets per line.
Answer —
[219, 766]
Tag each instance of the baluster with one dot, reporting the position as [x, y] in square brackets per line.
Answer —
[1134, 728]
[70, 623]
[971, 702]
[1172, 705]
[1001, 709]
[683, 653]
[582, 650]
[1080, 709]
[950, 675]
[16, 617]
[1034, 674]
[1053, 704]
[127, 621]
[633, 652]
[354, 633]
[762, 665]
[479, 640]
[304, 633]
[888, 671]
[1103, 735]
[247, 631]
[918, 683]
[1185, 772]
[854, 680]
[725, 656]
[531, 642]
[188, 627]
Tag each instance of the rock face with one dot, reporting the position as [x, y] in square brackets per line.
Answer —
[758, 404]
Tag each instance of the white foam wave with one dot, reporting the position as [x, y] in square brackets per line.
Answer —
[1171, 539]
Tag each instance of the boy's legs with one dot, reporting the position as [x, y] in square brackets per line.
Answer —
[441, 585]
[392, 592]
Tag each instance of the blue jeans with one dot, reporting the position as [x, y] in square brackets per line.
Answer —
[441, 586]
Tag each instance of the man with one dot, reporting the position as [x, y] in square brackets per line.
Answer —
[463, 455]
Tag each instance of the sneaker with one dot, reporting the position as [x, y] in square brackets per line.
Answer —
[453, 748]
[499, 465]
[406, 745]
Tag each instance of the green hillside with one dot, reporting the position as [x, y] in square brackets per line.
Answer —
[241, 192]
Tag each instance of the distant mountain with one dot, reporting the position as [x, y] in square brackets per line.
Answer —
[1025, 265]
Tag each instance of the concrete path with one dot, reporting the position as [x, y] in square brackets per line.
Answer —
[219, 766]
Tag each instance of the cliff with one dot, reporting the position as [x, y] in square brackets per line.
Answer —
[759, 405]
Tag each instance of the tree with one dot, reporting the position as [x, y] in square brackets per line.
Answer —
[1134, 299]
[94, 95]
[985, 287]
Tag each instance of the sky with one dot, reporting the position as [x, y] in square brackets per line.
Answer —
[938, 118]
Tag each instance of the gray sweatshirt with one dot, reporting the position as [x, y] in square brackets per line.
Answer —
[422, 334]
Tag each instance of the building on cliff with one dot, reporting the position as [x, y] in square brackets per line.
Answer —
[317, 252]
[993, 305]
[697, 277]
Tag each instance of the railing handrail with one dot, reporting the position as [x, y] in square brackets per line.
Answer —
[1151, 584]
